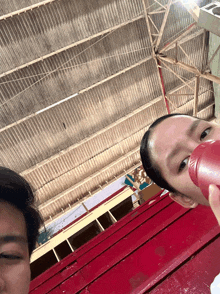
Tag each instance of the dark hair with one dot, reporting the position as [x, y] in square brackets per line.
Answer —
[15, 190]
[151, 169]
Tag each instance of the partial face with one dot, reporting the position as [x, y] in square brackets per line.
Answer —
[172, 143]
[14, 257]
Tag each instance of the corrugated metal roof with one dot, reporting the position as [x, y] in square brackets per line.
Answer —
[66, 144]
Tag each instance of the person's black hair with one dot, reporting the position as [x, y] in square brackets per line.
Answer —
[15, 190]
[151, 168]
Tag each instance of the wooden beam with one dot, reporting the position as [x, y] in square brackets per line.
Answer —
[113, 219]
[176, 51]
[183, 94]
[186, 39]
[116, 74]
[177, 75]
[61, 195]
[190, 60]
[190, 68]
[196, 95]
[40, 59]
[160, 4]
[26, 9]
[148, 27]
[186, 32]
[83, 204]
[72, 96]
[204, 59]
[154, 56]
[102, 131]
[153, 23]
[171, 102]
[163, 24]
[156, 12]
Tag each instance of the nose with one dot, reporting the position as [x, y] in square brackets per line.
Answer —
[191, 146]
[2, 284]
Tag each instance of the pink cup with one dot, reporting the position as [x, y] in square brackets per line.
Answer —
[204, 166]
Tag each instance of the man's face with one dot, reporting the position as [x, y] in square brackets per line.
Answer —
[14, 255]
[172, 143]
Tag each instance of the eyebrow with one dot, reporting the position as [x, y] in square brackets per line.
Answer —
[189, 133]
[193, 127]
[13, 238]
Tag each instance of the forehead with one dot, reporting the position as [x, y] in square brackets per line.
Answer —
[168, 133]
[11, 220]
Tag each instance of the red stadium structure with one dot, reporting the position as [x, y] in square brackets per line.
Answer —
[159, 247]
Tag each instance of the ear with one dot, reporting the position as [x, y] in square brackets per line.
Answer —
[183, 200]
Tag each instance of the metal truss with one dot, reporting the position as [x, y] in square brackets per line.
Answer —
[161, 57]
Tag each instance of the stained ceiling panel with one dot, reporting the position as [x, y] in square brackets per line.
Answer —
[79, 86]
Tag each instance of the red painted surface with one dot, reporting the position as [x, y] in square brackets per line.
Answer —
[121, 223]
[44, 281]
[138, 253]
[144, 267]
[50, 278]
[196, 275]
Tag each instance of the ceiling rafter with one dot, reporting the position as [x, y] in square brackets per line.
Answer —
[26, 9]
[186, 32]
[190, 68]
[40, 59]
[160, 4]
[156, 42]
[182, 80]
[156, 12]
[152, 102]
[153, 23]
[193, 9]
[160, 57]
[37, 172]
[190, 60]
[90, 178]
[80, 92]
[163, 24]
[194, 70]
[170, 93]
[196, 96]
[204, 41]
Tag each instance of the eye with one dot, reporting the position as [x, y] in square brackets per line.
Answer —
[9, 256]
[205, 133]
[183, 164]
